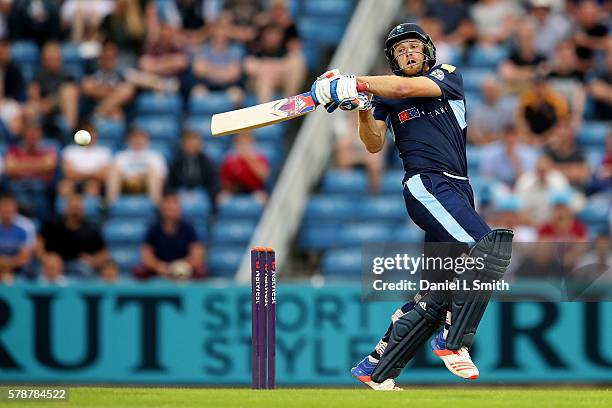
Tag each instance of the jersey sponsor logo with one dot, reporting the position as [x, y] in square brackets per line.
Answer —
[408, 114]
[438, 74]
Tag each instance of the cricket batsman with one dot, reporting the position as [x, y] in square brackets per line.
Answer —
[423, 105]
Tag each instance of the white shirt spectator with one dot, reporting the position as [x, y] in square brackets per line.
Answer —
[490, 17]
[132, 163]
[87, 160]
[535, 192]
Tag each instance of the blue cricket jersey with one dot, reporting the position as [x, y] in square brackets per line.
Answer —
[430, 133]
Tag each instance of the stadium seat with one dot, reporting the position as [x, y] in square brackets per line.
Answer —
[71, 53]
[232, 232]
[223, 261]
[319, 236]
[593, 133]
[273, 133]
[341, 262]
[122, 231]
[109, 129]
[312, 53]
[472, 78]
[486, 57]
[474, 158]
[241, 207]
[365, 233]
[329, 209]
[161, 128]
[272, 152]
[319, 30]
[75, 69]
[134, 206]
[157, 103]
[597, 211]
[201, 227]
[200, 124]
[404, 234]
[213, 102]
[24, 52]
[353, 182]
[195, 205]
[165, 147]
[127, 257]
[382, 208]
[340, 9]
[392, 182]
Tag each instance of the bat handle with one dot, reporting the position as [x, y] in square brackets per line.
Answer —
[362, 86]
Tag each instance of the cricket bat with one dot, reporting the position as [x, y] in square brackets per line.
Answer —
[265, 114]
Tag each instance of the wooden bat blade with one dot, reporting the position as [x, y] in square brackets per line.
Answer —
[261, 115]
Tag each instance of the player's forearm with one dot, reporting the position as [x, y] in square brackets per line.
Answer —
[369, 132]
[395, 87]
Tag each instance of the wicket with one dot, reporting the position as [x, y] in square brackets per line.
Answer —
[263, 319]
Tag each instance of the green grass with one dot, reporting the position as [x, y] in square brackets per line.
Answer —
[421, 397]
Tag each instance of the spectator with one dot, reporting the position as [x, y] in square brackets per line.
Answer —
[106, 88]
[567, 80]
[524, 60]
[445, 51]
[5, 9]
[490, 118]
[351, 152]
[192, 169]
[535, 187]
[54, 89]
[242, 16]
[495, 20]
[171, 248]
[12, 91]
[109, 271]
[76, 241]
[276, 56]
[600, 89]
[15, 252]
[596, 265]
[85, 168]
[125, 26]
[52, 271]
[563, 226]
[30, 167]
[454, 15]
[164, 60]
[568, 158]
[36, 20]
[218, 65]
[193, 20]
[244, 170]
[591, 33]
[602, 176]
[540, 110]
[550, 27]
[82, 19]
[137, 170]
[508, 212]
[508, 158]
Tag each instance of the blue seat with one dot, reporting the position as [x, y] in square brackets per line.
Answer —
[199, 124]
[406, 235]
[165, 147]
[594, 156]
[75, 69]
[472, 78]
[109, 129]
[24, 52]
[138, 206]
[157, 103]
[317, 236]
[312, 53]
[353, 182]
[340, 9]
[593, 133]
[241, 207]
[597, 211]
[486, 57]
[341, 262]
[329, 209]
[127, 257]
[195, 205]
[123, 231]
[474, 158]
[273, 133]
[232, 232]
[271, 151]
[320, 30]
[392, 182]
[201, 228]
[213, 102]
[224, 261]
[161, 128]
[366, 233]
[215, 152]
[383, 208]
[71, 53]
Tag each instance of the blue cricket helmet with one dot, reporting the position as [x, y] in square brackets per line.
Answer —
[407, 31]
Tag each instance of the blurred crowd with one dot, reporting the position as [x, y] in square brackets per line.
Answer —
[538, 85]
[73, 64]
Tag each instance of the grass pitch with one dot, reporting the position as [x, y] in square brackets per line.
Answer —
[433, 397]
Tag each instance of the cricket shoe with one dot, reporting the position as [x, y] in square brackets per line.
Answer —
[363, 372]
[458, 362]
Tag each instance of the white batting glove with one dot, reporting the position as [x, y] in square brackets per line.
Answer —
[343, 88]
[362, 102]
[321, 89]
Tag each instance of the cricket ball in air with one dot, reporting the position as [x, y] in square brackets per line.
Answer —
[82, 137]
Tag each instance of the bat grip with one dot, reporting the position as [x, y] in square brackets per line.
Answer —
[362, 86]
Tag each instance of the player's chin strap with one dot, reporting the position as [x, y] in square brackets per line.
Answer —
[468, 306]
